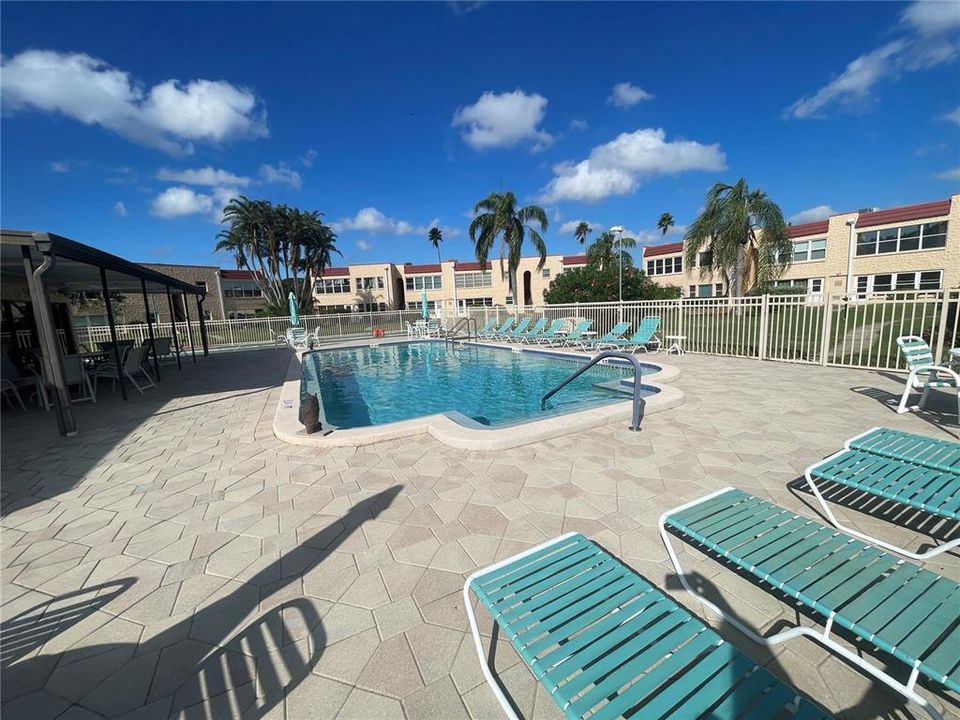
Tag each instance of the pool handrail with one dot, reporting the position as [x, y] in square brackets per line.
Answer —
[451, 334]
[638, 401]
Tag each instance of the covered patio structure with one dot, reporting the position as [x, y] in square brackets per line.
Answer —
[42, 271]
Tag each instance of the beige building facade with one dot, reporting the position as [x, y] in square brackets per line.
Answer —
[449, 284]
[915, 247]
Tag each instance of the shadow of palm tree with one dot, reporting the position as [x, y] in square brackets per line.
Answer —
[215, 659]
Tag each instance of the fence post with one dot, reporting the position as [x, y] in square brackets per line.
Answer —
[764, 320]
[941, 333]
[340, 325]
[826, 329]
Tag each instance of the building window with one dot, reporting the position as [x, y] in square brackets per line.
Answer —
[372, 307]
[477, 302]
[928, 236]
[809, 285]
[807, 250]
[202, 284]
[469, 280]
[241, 289]
[333, 285]
[369, 283]
[705, 291]
[418, 306]
[240, 315]
[718, 289]
[705, 259]
[665, 266]
[545, 273]
[904, 281]
[424, 282]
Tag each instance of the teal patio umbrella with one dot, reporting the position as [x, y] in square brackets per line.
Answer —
[294, 315]
[423, 303]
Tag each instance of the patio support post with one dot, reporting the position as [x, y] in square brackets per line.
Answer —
[203, 327]
[186, 312]
[113, 332]
[173, 326]
[153, 344]
[48, 341]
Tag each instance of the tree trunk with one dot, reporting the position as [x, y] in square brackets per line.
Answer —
[738, 272]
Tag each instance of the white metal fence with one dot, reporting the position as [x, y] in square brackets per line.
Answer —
[858, 332]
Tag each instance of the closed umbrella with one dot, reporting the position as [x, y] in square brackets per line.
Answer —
[294, 315]
[423, 302]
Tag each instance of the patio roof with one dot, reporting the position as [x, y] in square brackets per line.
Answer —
[77, 266]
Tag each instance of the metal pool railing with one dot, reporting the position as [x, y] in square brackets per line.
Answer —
[637, 372]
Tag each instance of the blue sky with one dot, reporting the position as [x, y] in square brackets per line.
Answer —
[126, 126]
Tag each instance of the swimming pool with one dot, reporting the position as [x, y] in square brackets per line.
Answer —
[476, 386]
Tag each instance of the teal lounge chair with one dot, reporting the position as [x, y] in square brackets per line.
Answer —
[516, 332]
[612, 337]
[487, 328]
[640, 339]
[911, 470]
[606, 643]
[909, 613]
[537, 328]
[502, 330]
[549, 334]
[574, 335]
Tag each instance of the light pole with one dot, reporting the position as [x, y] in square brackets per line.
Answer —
[618, 229]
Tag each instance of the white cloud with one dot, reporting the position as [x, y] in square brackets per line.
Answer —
[280, 174]
[819, 212]
[59, 167]
[308, 158]
[578, 124]
[928, 39]
[569, 227]
[364, 245]
[120, 209]
[626, 95]
[179, 201]
[169, 116]
[932, 17]
[375, 222]
[504, 120]
[617, 167]
[951, 174]
[952, 116]
[202, 176]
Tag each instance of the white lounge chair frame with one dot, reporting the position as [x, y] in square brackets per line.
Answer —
[915, 383]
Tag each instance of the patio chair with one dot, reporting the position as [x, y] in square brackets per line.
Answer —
[907, 612]
[549, 334]
[74, 373]
[516, 332]
[297, 337]
[606, 643]
[502, 330]
[13, 376]
[131, 366]
[574, 335]
[924, 373]
[615, 335]
[645, 335]
[537, 328]
[163, 347]
[912, 470]
[488, 326]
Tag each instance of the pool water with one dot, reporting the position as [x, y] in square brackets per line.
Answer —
[379, 384]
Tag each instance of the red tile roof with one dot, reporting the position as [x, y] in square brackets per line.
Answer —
[466, 266]
[811, 228]
[907, 212]
[574, 260]
[411, 269]
[335, 272]
[237, 274]
[668, 249]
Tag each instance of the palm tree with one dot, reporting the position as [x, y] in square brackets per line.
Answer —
[581, 232]
[603, 251]
[665, 222]
[436, 237]
[497, 217]
[742, 228]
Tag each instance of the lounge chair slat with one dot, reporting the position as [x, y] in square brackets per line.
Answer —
[920, 610]
[899, 445]
[530, 563]
[943, 662]
[569, 554]
[526, 589]
[690, 696]
[745, 695]
[767, 708]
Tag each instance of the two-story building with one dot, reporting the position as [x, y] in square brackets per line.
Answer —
[914, 247]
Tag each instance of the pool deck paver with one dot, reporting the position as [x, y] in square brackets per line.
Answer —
[176, 559]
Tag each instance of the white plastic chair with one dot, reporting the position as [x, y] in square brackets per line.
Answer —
[132, 366]
[924, 373]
